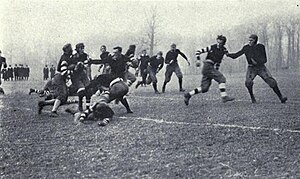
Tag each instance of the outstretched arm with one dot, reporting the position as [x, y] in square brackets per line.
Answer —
[184, 56]
[237, 54]
[204, 50]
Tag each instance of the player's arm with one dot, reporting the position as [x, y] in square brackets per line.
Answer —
[161, 65]
[237, 54]
[183, 56]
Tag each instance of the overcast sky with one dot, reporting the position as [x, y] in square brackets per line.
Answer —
[61, 21]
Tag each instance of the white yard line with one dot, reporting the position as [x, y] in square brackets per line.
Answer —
[207, 99]
[217, 125]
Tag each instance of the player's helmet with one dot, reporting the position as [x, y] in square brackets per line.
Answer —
[223, 38]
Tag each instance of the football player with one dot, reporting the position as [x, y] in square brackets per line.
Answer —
[172, 66]
[256, 57]
[211, 71]
[108, 88]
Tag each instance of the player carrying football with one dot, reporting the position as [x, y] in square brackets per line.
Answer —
[211, 71]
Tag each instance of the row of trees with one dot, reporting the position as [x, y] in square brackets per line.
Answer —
[280, 34]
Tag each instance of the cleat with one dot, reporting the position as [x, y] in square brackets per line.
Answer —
[283, 100]
[129, 112]
[53, 114]
[40, 106]
[182, 90]
[31, 91]
[157, 92]
[227, 98]
[187, 98]
[253, 100]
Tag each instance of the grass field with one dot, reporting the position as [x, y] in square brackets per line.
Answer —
[163, 138]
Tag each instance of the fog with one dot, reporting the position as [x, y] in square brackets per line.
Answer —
[40, 28]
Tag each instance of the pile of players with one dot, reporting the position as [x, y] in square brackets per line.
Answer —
[74, 76]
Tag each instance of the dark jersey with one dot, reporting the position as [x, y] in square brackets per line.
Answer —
[255, 55]
[104, 55]
[79, 58]
[118, 66]
[155, 63]
[143, 61]
[101, 80]
[171, 56]
[216, 53]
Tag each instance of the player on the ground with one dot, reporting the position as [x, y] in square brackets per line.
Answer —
[111, 88]
[256, 57]
[172, 66]
[142, 68]
[2, 62]
[55, 91]
[210, 71]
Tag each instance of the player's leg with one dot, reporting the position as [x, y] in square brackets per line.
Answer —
[205, 84]
[265, 74]
[130, 78]
[220, 78]
[41, 104]
[126, 104]
[168, 75]
[250, 75]
[179, 75]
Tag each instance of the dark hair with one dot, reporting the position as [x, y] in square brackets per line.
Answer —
[255, 37]
[118, 48]
[223, 38]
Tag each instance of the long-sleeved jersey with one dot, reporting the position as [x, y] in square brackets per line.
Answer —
[215, 53]
[118, 66]
[143, 61]
[155, 63]
[255, 55]
[171, 57]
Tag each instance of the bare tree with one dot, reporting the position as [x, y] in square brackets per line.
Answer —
[148, 40]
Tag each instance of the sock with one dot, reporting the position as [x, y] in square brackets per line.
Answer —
[195, 91]
[155, 86]
[222, 88]
[277, 91]
[180, 83]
